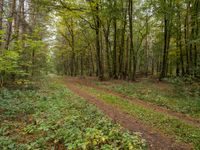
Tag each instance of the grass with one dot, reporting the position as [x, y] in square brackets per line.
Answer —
[177, 95]
[54, 117]
[167, 124]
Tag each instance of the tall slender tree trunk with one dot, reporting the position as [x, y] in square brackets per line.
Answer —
[177, 58]
[132, 53]
[98, 48]
[92, 62]
[12, 6]
[146, 48]
[196, 34]
[73, 61]
[195, 47]
[122, 46]
[153, 65]
[106, 35]
[82, 64]
[167, 27]
[180, 44]
[1, 24]
[126, 67]
[18, 17]
[115, 50]
[191, 38]
[186, 39]
[33, 62]
[22, 23]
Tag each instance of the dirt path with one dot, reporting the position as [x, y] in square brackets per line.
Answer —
[155, 139]
[148, 105]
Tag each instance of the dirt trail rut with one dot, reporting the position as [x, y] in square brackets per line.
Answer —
[155, 139]
[148, 105]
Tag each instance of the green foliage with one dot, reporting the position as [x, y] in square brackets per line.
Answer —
[26, 58]
[179, 95]
[54, 116]
[167, 124]
[8, 62]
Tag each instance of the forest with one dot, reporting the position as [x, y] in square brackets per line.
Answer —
[99, 74]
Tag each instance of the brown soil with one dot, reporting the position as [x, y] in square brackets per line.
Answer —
[1, 110]
[162, 86]
[185, 118]
[155, 139]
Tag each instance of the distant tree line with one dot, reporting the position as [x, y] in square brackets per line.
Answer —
[122, 39]
[119, 39]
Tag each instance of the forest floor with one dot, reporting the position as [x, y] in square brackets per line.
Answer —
[51, 117]
[83, 113]
[159, 118]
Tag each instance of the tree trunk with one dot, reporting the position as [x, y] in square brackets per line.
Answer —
[73, 65]
[166, 42]
[122, 46]
[186, 39]
[115, 49]
[146, 48]
[106, 34]
[132, 53]
[9, 24]
[98, 48]
[1, 24]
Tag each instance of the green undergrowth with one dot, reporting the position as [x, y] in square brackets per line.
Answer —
[167, 124]
[177, 95]
[53, 117]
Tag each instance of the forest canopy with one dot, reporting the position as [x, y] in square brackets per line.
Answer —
[119, 39]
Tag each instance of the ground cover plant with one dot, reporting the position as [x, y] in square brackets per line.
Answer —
[152, 44]
[167, 124]
[174, 94]
[53, 117]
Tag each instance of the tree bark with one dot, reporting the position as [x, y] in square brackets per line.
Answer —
[98, 48]
[107, 42]
[1, 24]
[122, 46]
[12, 7]
[166, 41]
[115, 49]
[132, 53]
